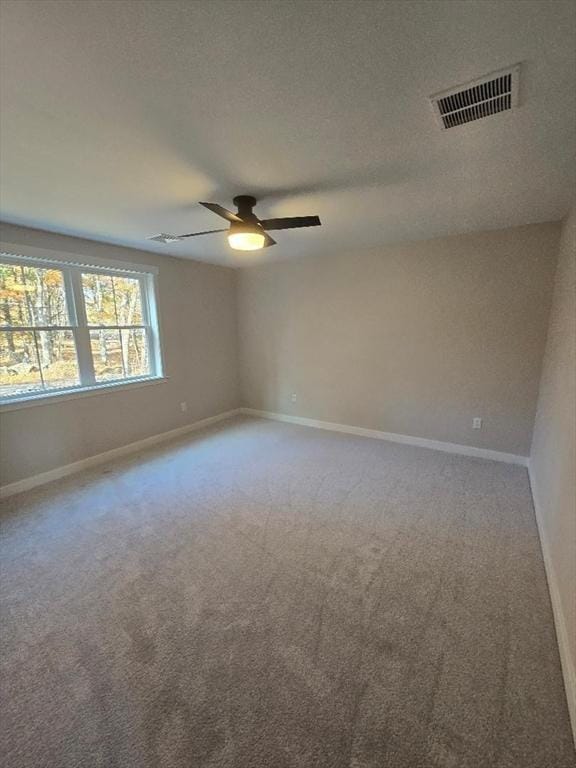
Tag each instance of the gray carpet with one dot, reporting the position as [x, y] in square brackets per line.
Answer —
[269, 596]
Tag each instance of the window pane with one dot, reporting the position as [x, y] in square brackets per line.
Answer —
[107, 354]
[112, 300]
[32, 361]
[99, 299]
[32, 296]
[19, 366]
[58, 362]
[128, 302]
[135, 346]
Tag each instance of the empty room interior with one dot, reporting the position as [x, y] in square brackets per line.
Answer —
[288, 383]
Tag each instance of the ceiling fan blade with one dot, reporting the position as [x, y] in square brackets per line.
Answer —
[294, 222]
[268, 241]
[206, 232]
[220, 211]
[168, 238]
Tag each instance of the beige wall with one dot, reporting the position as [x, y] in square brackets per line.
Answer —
[197, 308]
[553, 458]
[415, 339]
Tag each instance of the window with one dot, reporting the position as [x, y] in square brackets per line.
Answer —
[66, 327]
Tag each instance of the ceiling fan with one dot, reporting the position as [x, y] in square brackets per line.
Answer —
[246, 232]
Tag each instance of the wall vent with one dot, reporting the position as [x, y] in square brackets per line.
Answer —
[481, 98]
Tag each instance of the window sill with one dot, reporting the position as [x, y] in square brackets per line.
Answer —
[74, 394]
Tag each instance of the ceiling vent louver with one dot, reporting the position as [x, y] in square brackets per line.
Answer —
[481, 98]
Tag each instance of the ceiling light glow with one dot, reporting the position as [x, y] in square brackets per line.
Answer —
[244, 239]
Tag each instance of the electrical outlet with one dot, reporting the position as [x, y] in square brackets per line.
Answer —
[293, 397]
[184, 407]
[477, 423]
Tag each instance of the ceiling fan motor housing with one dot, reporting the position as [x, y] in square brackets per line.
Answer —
[245, 204]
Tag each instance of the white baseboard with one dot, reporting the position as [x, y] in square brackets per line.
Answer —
[101, 458]
[568, 670]
[422, 442]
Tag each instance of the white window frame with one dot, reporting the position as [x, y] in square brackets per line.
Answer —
[72, 267]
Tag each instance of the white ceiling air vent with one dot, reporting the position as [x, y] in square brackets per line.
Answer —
[481, 98]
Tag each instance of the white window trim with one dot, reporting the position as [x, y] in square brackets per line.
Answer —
[74, 264]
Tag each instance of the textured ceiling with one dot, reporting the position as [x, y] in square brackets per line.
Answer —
[117, 117]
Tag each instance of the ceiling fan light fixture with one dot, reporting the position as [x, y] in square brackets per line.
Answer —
[247, 232]
[242, 237]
